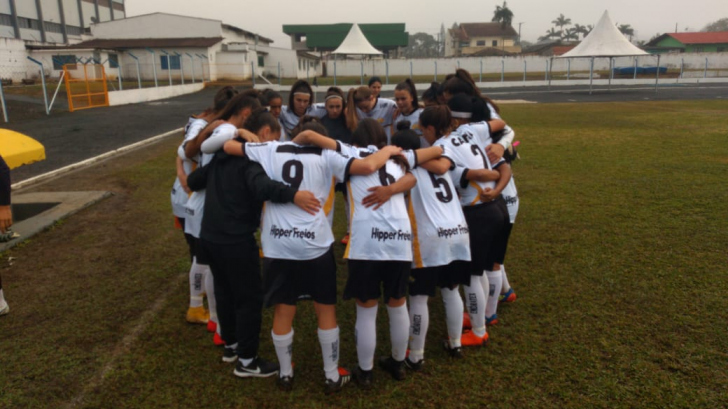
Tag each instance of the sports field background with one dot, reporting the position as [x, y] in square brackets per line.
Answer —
[618, 257]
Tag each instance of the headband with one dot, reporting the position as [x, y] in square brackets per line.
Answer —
[464, 115]
[302, 93]
[333, 96]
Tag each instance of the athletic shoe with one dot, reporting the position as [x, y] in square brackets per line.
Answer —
[414, 366]
[259, 368]
[229, 355]
[363, 378]
[394, 367]
[217, 340]
[456, 352]
[469, 339]
[466, 321]
[345, 239]
[492, 320]
[285, 383]
[4, 308]
[507, 297]
[197, 315]
[333, 387]
[211, 326]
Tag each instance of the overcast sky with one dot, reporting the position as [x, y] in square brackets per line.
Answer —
[266, 17]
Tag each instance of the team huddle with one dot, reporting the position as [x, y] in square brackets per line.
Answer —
[430, 203]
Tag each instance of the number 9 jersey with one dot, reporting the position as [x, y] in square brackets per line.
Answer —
[287, 231]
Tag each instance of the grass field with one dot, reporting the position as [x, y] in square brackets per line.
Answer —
[618, 258]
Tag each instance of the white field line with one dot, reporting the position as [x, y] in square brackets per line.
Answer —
[88, 162]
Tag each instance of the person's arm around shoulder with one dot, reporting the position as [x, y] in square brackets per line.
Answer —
[266, 189]
[309, 137]
[505, 176]
[192, 147]
[381, 194]
[373, 162]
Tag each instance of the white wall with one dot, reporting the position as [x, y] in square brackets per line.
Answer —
[157, 26]
[232, 65]
[135, 96]
[88, 11]
[288, 60]
[104, 13]
[5, 7]
[26, 9]
[146, 68]
[50, 11]
[70, 11]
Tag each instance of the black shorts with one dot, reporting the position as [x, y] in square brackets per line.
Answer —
[199, 252]
[190, 239]
[289, 281]
[424, 280]
[502, 243]
[367, 277]
[485, 222]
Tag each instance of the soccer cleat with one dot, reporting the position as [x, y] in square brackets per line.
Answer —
[507, 297]
[345, 239]
[259, 368]
[211, 326]
[466, 321]
[285, 383]
[363, 378]
[394, 367]
[336, 386]
[217, 340]
[414, 366]
[456, 352]
[4, 308]
[492, 320]
[229, 355]
[469, 339]
[197, 315]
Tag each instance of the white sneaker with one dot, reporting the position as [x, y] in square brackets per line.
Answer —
[4, 308]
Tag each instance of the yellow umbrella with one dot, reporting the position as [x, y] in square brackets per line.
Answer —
[18, 149]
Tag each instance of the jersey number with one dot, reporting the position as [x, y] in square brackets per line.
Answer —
[293, 173]
[445, 194]
[477, 152]
[385, 177]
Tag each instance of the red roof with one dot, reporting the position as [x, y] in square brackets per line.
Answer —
[716, 37]
[562, 49]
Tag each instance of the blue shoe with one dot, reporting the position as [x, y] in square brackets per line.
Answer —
[508, 297]
[492, 320]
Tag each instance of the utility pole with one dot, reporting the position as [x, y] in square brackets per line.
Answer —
[519, 33]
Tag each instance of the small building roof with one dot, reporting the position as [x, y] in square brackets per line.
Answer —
[246, 32]
[604, 40]
[123, 44]
[466, 31]
[327, 37]
[716, 37]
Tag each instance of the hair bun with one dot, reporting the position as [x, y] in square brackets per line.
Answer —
[403, 125]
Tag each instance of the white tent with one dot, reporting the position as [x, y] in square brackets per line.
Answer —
[356, 43]
[606, 41]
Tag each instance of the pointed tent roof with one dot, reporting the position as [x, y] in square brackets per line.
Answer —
[356, 43]
[605, 40]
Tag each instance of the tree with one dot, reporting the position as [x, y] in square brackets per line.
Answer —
[561, 21]
[718, 25]
[626, 29]
[503, 15]
[589, 29]
[552, 33]
[422, 45]
[570, 34]
[579, 29]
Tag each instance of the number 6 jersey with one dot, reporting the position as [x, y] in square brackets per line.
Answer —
[287, 231]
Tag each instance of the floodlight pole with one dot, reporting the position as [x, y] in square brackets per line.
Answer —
[591, 75]
[154, 66]
[139, 77]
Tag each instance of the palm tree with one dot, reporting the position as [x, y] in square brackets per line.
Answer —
[570, 34]
[561, 21]
[551, 33]
[589, 29]
[627, 30]
[503, 15]
[579, 29]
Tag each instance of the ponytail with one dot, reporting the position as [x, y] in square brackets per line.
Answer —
[439, 117]
[355, 96]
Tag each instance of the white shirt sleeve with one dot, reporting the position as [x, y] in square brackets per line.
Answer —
[338, 164]
[411, 158]
[507, 138]
[219, 136]
[260, 152]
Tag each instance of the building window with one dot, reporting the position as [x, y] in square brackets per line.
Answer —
[721, 49]
[60, 60]
[480, 43]
[28, 23]
[74, 31]
[53, 27]
[113, 61]
[6, 20]
[495, 43]
[699, 49]
[261, 61]
[299, 64]
[173, 61]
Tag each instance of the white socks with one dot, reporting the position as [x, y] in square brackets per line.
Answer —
[475, 304]
[495, 280]
[197, 274]
[419, 322]
[329, 340]
[210, 291]
[284, 351]
[399, 323]
[2, 297]
[453, 315]
[366, 336]
[506, 285]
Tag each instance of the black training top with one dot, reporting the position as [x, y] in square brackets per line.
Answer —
[337, 128]
[236, 190]
[4, 183]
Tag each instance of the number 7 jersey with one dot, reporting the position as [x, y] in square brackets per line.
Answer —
[287, 231]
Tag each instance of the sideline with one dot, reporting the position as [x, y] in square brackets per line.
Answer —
[91, 161]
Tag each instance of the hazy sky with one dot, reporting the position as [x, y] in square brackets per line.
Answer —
[266, 17]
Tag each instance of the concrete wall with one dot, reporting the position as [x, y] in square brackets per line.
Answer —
[234, 65]
[135, 96]
[157, 26]
[289, 63]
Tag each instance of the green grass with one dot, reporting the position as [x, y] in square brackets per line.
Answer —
[618, 257]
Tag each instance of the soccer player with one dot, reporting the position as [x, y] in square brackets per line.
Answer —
[298, 258]
[275, 107]
[375, 84]
[408, 108]
[300, 103]
[362, 103]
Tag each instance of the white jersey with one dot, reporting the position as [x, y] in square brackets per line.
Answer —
[480, 134]
[287, 231]
[414, 120]
[440, 232]
[289, 119]
[178, 195]
[382, 234]
[383, 112]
